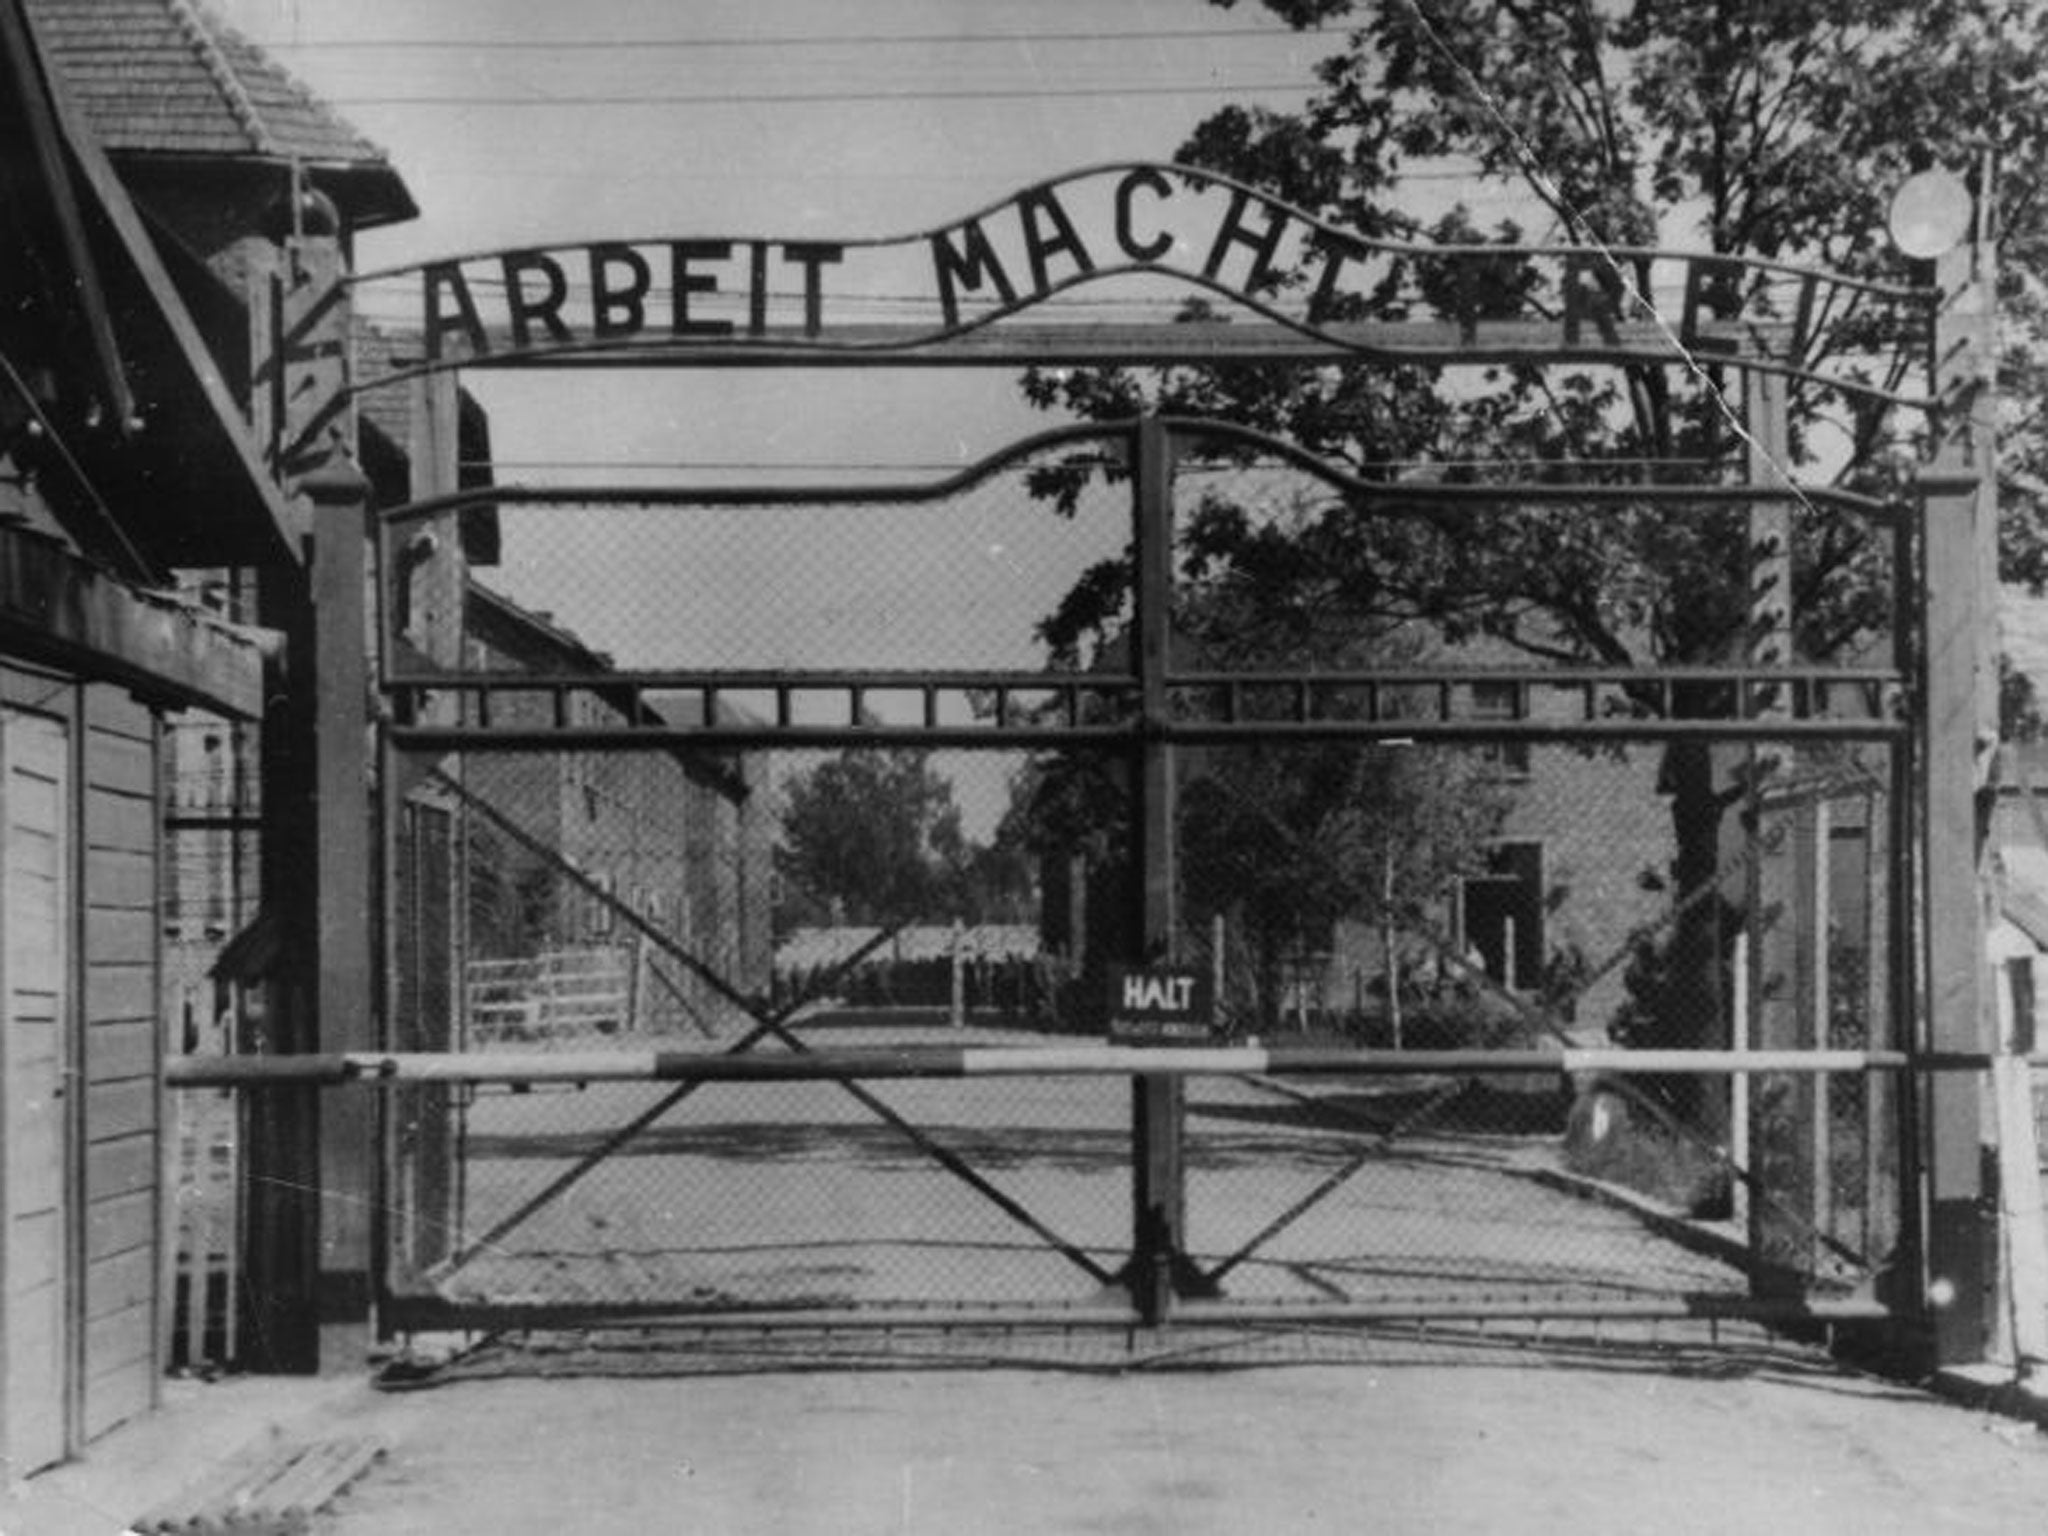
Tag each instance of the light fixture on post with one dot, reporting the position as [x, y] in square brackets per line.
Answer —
[1931, 214]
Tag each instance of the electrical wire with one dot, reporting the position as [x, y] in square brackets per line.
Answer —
[797, 40]
[817, 98]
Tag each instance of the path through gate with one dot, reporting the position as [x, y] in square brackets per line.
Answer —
[760, 862]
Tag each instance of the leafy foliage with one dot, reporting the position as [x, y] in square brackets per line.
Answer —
[871, 836]
[1288, 841]
[1773, 131]
[1769, 130]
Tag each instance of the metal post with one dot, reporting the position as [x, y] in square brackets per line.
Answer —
[1816, 893]
[1959, 725]
[1782, 1111]
[280, 1151]
[1906, 1287]
[422, 585]
[1738, 1087]
[1158, 1105]
[344, 987]
[309, 1171]
[957, 953]
[1959, 1233]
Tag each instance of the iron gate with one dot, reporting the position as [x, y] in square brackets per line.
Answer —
[781, 953]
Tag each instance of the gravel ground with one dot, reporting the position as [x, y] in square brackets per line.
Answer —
[1386, 1436]
[793, 1193]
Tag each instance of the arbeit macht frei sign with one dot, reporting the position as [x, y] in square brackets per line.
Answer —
[1174, 230]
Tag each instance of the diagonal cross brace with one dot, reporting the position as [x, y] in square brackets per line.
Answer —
[1541, 1019]
[767, 1025]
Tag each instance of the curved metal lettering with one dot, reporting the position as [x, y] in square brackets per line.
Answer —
[1161, 231]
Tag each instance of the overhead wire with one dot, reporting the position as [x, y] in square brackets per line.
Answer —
[789, 40]
[1583, 231]
[818, 98]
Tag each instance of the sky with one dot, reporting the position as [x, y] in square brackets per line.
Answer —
[709, 116]
[524, 122]
[528, 122]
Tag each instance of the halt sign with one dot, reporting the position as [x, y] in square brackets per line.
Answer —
[1159, 1005]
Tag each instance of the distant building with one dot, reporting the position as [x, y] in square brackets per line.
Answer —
[661, 857]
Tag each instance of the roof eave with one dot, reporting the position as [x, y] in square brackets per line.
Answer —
[370, 194]
[261, 498]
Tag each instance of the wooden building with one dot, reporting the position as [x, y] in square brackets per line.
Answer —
[242, 180]
[678, 839]
[123, 457]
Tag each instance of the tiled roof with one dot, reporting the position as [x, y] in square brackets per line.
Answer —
[168, 77]
[386, 410]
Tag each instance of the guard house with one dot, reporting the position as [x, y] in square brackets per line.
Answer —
[123, 458]
[242, 182]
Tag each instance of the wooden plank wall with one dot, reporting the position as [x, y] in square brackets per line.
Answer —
[122, 1202]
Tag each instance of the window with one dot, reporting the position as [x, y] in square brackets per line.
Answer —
[1502, 701]
[1501, 915]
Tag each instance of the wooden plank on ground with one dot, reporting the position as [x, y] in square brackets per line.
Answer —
[266, 1487]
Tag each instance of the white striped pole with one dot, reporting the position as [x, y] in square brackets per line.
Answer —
[998, 1061]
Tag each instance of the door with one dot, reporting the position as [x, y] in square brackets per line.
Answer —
[1504, 915]
[34, 964]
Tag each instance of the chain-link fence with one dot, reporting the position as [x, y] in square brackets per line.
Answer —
[826, 779]
[703, 932]
[1533, 927]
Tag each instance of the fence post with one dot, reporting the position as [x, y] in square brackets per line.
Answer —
[1218, 935]
[345, 984]
[1783, 1109]
[2024, 1232]
[1959, 1257]
[311, 1163]
[1158, 1105]
[1738, 1084]
[958, 951]
[1957, 591]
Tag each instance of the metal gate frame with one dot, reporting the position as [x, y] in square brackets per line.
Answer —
[1938, 687]
[1146, 713]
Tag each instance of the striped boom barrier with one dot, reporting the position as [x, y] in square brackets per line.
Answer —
[370, 1067]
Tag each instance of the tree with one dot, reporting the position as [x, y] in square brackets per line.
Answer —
[1282, 840]
[870, 836]
[1772, 130]
[1286, 842]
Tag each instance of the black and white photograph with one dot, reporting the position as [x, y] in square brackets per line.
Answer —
[934, 767]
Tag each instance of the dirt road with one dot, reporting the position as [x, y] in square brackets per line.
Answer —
[1441, 1439]
[795, 1195]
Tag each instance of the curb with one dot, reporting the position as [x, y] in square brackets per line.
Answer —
[2011, 1393]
